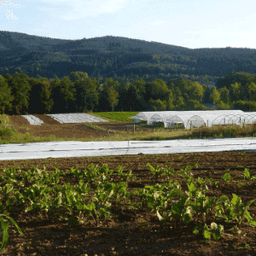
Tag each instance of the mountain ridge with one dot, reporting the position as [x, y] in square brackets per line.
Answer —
[110, 56]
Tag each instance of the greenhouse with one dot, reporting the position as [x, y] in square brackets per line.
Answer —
[197, 118]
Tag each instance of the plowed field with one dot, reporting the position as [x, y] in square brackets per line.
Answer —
[134, 231]
[51, 126]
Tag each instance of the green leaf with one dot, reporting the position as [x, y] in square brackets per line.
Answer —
[247, 174]
[253, 223]
[236, 200]
[197, 228]
[207, 234]
[227, 177]
[5, 225]
[191, 187]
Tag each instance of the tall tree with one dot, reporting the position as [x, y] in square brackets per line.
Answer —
[235, 91]
[68, 92]
[78, 75]
[215, 96]
[108, 94]
[57, 97]
[252, 91]
[63, 95]
[20, 87]
[86, 95]
[196, 91]
[224, 95]
[46, 92]
[113, 97]
[5, 96]
[35, 105]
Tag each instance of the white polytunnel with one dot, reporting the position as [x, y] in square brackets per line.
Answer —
[197, 118]
[158, 118]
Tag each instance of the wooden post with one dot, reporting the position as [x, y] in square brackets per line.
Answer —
[133, 129]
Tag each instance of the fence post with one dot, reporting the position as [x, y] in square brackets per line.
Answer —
[133, 129]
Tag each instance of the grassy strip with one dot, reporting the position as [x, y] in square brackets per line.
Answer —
[98, 128]
[116, 116]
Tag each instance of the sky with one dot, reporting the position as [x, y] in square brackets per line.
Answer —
[187, 23]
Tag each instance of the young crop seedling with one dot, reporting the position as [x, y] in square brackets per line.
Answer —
[227, 177]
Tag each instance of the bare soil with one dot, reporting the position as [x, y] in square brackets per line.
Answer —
[75, 130]
[123, 234]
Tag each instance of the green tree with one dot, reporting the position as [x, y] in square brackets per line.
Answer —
[194, 105]
[252, 91]
[109, 92]
[56, 96]
[235, 91]
[20, 87]
[224, 95]
[244, 105]
[35, 105]
[78, 75]
[63, 94]
[5, 96]
[45, 95]
[215, 96]
[196, 91]
[223, 106]
[87, 94]
[113, 97]
[157, 89]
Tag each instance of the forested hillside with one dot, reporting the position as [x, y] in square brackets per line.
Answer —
[119, 57]
[45, 75]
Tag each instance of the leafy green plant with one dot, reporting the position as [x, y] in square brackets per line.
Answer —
[156, 171]
[125, 176]
[215, 230]
[234, 210]
[186, 174]
[227, 177]
[5, 226]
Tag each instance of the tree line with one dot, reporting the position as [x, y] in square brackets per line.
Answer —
[77, 92]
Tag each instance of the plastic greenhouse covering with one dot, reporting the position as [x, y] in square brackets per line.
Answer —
[197, 118]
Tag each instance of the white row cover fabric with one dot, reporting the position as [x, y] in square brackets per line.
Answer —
[197, 118]
[60, 149]
[33, 120]
[75, 118]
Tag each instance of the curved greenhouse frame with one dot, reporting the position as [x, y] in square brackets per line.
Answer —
[196, 118]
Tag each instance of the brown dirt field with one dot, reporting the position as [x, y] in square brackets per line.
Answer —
[76, 130]
[122, 234]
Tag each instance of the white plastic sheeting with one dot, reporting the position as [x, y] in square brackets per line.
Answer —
[33, 120]
[240, 119]
[197, 118]
[59, 149]
[75, 118]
